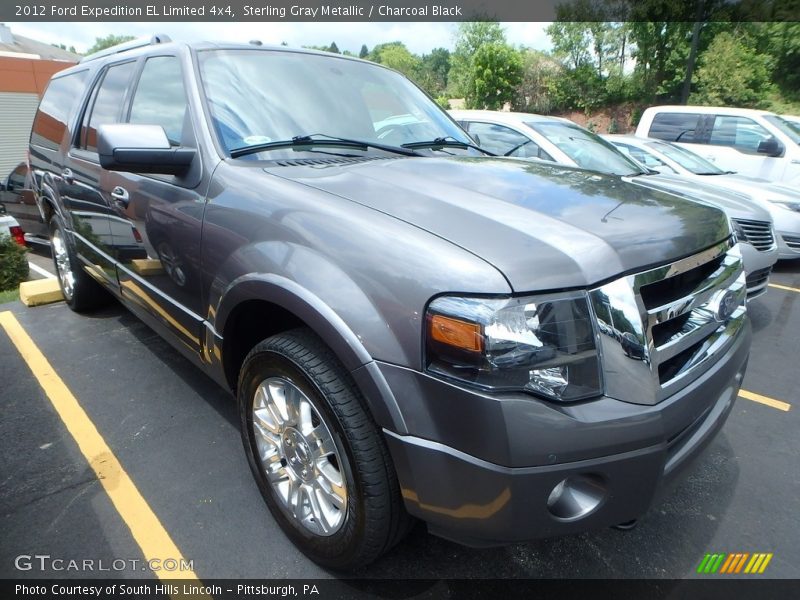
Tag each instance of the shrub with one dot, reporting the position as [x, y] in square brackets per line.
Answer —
[13, 263]
[443, 101]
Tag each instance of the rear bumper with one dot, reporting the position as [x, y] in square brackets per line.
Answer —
[626, 451]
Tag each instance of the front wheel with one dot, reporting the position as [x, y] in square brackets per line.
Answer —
[317, 456]
[80, 291]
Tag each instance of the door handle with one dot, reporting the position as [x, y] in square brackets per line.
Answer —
[120, 196]
[67, 175]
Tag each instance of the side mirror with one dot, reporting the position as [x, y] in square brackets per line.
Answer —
[771, 147]
[141, 149]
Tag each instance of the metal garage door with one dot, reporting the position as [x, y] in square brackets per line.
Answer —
[16, 117]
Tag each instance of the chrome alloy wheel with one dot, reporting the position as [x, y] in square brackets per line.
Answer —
[299, 457]
[63, 266]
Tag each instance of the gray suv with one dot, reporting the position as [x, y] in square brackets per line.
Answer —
[412, 327]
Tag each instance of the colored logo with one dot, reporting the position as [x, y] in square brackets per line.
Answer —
[735, 563]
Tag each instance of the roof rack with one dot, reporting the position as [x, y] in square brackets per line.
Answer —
[159, 38]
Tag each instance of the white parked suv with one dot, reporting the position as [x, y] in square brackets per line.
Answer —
[756, 143]
[782, 202]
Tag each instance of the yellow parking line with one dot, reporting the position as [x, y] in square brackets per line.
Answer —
[784, 406]
[784, 287]
[147, 530]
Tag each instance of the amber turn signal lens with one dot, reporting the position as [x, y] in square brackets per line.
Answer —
[453, 332]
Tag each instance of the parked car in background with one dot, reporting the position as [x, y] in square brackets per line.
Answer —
[756, 143]
[9, 226]
[782, 202]
[527, 135]
[16, 194]
[410, 327]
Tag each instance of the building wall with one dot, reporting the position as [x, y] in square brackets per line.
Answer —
[22, 83]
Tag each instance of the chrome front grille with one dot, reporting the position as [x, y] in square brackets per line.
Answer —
[792, 241]
[658, 328]
[757, 233]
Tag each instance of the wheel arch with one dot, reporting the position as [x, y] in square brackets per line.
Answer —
[255, 307]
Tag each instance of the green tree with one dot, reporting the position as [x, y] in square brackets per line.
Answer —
[469, 37]
[539, 71]
[396, 56]
[496, 74]
[433, 71]
[571, 43]
[364, 53]
[108, 41]
[732, 73]
[334, 48]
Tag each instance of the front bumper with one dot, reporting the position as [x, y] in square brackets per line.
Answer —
[757, 266]
[480, 469]
[788, 245]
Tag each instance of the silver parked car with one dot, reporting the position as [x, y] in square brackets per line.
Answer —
[782, 202]
[555, 139]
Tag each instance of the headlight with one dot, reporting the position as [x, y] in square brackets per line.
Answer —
[544, 345]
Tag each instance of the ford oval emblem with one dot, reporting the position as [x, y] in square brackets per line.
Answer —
[727, 305]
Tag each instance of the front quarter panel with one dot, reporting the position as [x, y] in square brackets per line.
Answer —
[362, 277]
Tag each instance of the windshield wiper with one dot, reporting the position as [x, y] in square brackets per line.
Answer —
[517, 147]
[314, 140]
[446, 142]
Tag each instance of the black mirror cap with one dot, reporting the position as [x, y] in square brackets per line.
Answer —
[771, 147]
[141, 149]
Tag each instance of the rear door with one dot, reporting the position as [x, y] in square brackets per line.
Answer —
[157, 219]
[81, 180]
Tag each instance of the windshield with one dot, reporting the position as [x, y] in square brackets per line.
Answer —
[788, 127]
[687, 159]
[261, 96]
[588, 150]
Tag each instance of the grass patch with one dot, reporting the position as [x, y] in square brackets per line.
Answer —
[9, 296]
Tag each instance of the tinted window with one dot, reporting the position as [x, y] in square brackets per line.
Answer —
[504, 141]
[739, 132]
[55, 109]
[160, 97]
[675, 127]
[107, 105]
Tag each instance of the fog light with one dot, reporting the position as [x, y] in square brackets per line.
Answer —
[576, 497]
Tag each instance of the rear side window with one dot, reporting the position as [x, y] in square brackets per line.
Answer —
[107, 104]
[55, 109]
[738, 132]
[160, 98]
[676, 127]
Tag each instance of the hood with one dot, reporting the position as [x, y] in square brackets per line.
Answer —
[545, 227]
[737, 204]
[762, 189]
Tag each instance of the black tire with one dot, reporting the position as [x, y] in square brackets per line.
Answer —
[375, 518]
[86, 294]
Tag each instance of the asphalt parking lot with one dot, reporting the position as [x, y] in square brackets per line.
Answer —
[176, 435]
